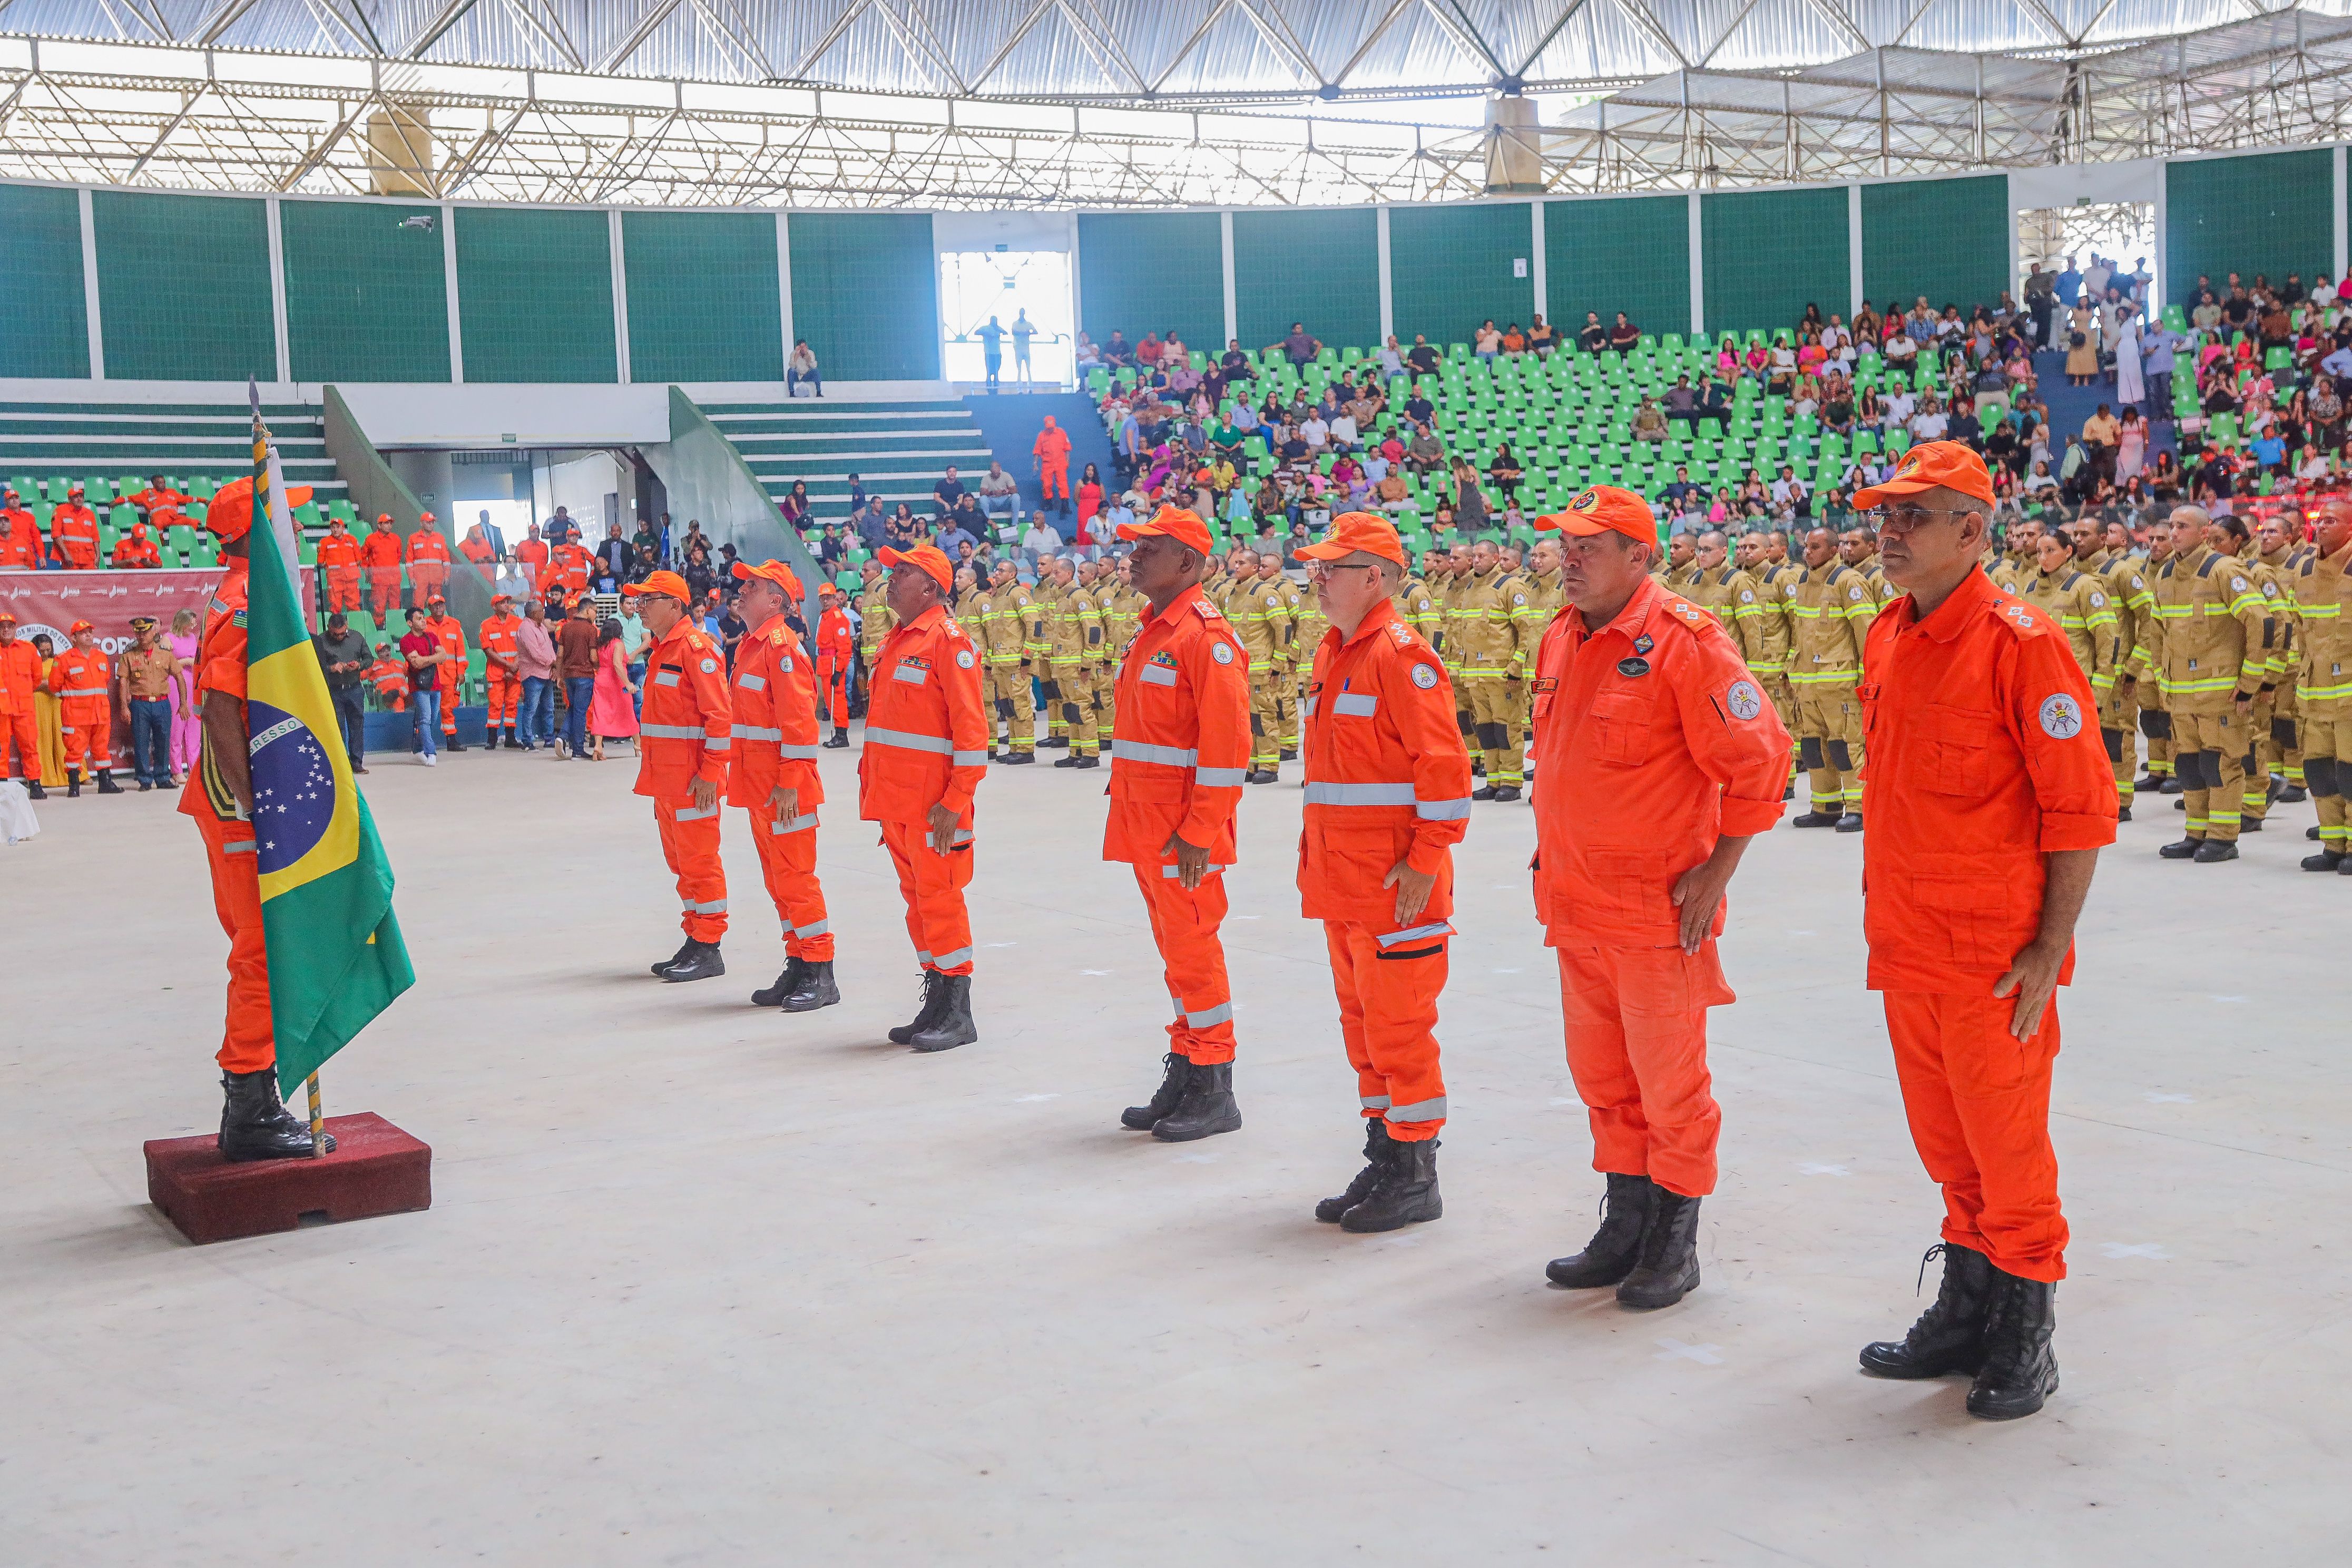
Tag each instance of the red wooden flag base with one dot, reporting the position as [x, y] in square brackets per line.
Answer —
[376, 1169]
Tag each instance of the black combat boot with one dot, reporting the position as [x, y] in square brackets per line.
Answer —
[255, 1124]
[1140, 1118]
[953, 1026]
[1616, 1246]
[815, 989]
[1483, 792]
[1017, 759]
[840, 739]
[1405, 1194]
[451, 743]
[905, 1033]
[1950, 1334]
[2170, 784]
[33, 790]
[2151, 780]
[2181, 849]
[73, 783]
[1817, 819]
[700, 961]
[106, 785]
[2122, 814]
[1849, 823]
[1668, 1269]
[2019, 1369]
[683, 949]
[2294, 795]
[1206, 1110]
[1069, 762]
[1507, 791]
[786, 978]
[2214, 850]
[2325, 860]
[1289, 753]
[1091, 760]
[1377, 1144]
[1055, 743]
[2250, 825]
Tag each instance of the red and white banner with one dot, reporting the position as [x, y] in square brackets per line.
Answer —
[51, 601]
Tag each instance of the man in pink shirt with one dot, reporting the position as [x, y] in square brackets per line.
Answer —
[535, 662]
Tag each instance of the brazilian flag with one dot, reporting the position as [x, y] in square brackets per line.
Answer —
[336, 959]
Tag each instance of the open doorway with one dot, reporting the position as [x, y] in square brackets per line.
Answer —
[1005, 285]
[2120, 234]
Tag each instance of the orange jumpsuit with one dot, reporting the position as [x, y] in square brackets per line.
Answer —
[776, 740]
[927, 729]
[339, 554]
[1178, 751]
[80, 681]
[391, 677]
[20, 539]
[452, 637]
[20, 677]
[571, 564]
[1651, 741]
[836, 648]
[1985, 755]
[1052, 450]
[1388, 780]
[477, 549]
[137, 548]
[73, 529]
[381, 553]
[502, 687]
[428, 566]
[153, 500]
[687, 734]
[247, 1043]
[532, 555]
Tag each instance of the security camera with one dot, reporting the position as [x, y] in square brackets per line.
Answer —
[421, 220]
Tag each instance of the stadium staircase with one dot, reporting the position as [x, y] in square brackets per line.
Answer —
[1010, 422]
[2071, 405]
[898, 450]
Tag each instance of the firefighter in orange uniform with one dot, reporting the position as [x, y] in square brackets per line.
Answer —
[255, 1125]
[339, 555]
[81, 681]
[1180, 745]
[1992, 794]
[390, 675]
[381, 553]
[569, 563]
[532, 557]
[927, 733]
[685, 739]
[1388, 796]
[452, 638]
[775, 777]
[73, 529]
[501, 680]
[20, 534]
[476, 548]
[836, 652]
[428, 564]
[20, 678]
[1052, 451]
[137, 548]
[157, 496]
[1658, 757]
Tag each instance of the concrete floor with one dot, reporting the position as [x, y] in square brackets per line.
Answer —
[706, 1285]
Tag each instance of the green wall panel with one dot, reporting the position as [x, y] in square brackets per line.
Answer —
[1450, 268]
[44, 320]
[1632, 255]
[535, 295]
[1319, 267]
[183, 286]
[2270, 212]
[702, 296]
[1772, 253]
[366, 299]
[865, 294]
[1947, 239]
[1154, 272]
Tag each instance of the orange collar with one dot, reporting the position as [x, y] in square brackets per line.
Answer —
[1944, 624]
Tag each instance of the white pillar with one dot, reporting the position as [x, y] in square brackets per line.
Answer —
[620, 294]
[278, 289]
[1233, 297]
[784, 282]
[89, 289]
[449, 291]
[1380, 238]
[1698, 267]
[1538, 275]
[1853, 250]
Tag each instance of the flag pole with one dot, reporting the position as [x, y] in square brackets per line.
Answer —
[318, 1122]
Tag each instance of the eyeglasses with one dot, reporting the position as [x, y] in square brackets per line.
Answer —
[1328, 567]
[1905, 519]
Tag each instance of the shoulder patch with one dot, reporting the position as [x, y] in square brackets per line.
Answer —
[1207, 611]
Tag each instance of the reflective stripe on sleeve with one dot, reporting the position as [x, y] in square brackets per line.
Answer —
[1359, 794]
[1419, 1110]
[671, 732]
[807, 753]
[755, 732]
[1452, 810]
[1220, 778]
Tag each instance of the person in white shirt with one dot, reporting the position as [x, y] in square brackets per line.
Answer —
[1899, 405]
[1315, 433]
[1392, 358]
[1901, 348]
[2095, 276]
[1837, 342]
[1041, 540]
[1930, 423]
[1343, 432]
[2042, 479]
[2323, 292]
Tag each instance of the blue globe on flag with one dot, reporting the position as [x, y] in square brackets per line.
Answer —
[293, 787]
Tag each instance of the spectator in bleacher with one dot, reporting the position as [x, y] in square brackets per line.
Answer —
[345, 657]
[1625, 337]
[1515, 342]
[137, 548]
[1425, 453]
[1505, 472]
[1235, 365]
[1117, 352]
[1469, 500]
[1300, 347]
[535, 656]
[73, 533]
[1040, 541]
[1391, 356]
[1542, 339]
[960, 527]
[1594, 337]
[801, 369]
[1089, 357]
[1090, 494]
[872, 526]
[904, 531]
[1423, 358]
[794, 508]
[1649, 420]
[700, 578]
[948, 491]
[1147, 353]
[1486, 341]
[1682, 398]
[1000, 492]
[1314, 432]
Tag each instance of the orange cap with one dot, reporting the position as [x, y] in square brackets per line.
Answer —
[229, 514]
[436, 599]
[775, 571]
[1604, 509]
[665, 582]
[8, 616]
[1175, 522]
[1354, 531]
[502, 598]
[79, 627]
[423, 518]
[928, 557]
[827, 591]
[384, 517]
[1933, 463]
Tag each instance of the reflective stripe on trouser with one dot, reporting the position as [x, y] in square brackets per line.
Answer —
[932, 884]
[1635, 1020]
[2210, 752]
[504, 695]
[1979, 1104]
[1831, 718]
[2327, 762]
[1493, 709]
[1269, 701]
[342, 588]
[246, 1044]
[26, 731]
[86, 730]
[1184, 926]
[788, 865]
[1387, 1017]
[2119, 722]
[690, 844]
[1015, 703]
[1075, 707]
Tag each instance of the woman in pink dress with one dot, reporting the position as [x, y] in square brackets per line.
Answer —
[611, 715]
[187, 724]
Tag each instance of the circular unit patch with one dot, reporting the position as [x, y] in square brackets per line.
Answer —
[1222, 652]
[964, 658]
[1744, 700]
[709, 666]
[1424, 677]
[2061, 716]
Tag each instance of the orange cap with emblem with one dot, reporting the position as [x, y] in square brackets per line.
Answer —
[1354, 531]
[1929, 465]
[775, 571]
[1606, 508]
[1174, 522]
[229, 514]
[665, 582]
[926, 556]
